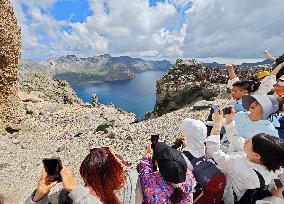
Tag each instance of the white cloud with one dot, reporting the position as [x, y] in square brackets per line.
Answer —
[134, 27]
[179, 2]
[131, 26]
[239, 29]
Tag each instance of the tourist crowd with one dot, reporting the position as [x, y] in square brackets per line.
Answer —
[239, 159]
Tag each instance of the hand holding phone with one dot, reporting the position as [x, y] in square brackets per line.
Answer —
[44, 186]
[53, 166]
[215, 108]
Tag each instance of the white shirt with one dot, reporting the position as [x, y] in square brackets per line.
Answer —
[239, 171]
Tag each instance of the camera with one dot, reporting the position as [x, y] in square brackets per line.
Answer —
[227, 110]
[216, 108]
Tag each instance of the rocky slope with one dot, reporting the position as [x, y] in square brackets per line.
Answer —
[68, 131]
[100, 68]
[54, 126]
[44, 86]
[54, 122]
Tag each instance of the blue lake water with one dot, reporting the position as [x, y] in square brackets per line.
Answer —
[137, 95]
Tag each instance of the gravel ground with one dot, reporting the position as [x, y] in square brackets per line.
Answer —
[68, 131]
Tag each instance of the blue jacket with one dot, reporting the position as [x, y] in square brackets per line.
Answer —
[247, 128]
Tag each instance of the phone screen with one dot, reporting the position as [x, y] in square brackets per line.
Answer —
[53, 167]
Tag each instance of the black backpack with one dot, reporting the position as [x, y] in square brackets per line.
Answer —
[211, 181]
[252, 195]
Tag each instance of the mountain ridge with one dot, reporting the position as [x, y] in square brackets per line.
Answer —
[97, 68]
[243, 65]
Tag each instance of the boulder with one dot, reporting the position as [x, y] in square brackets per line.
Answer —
[13, 128]
[203, 104]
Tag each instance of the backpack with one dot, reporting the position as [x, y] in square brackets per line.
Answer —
[211, 181]
[252, 195]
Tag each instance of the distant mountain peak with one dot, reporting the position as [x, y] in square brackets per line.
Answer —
[98, 68]
[66, 58]
[105, 56]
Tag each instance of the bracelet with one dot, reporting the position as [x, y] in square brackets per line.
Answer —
[33, 194]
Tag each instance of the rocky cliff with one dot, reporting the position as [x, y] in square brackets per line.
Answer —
[120, 72]
[190, 81]
[9, 57]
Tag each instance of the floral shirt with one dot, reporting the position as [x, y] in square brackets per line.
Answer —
[156, 190]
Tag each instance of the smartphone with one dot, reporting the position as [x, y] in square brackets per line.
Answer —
[53, 166]
[214, 108]
[154, 139]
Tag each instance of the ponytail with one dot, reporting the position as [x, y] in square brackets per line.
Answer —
[177, 143]
[177, 195]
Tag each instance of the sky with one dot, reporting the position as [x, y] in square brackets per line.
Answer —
[154, 29]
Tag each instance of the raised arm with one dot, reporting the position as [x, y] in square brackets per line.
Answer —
[236, 141]
[269, 56]
[145, 164]
[268, 82]
[223, 160]
[231, 71]
[277, 69]
[78, 193]
[40, 195]
[232, 75]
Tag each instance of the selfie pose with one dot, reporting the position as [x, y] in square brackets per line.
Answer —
[106, 179]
